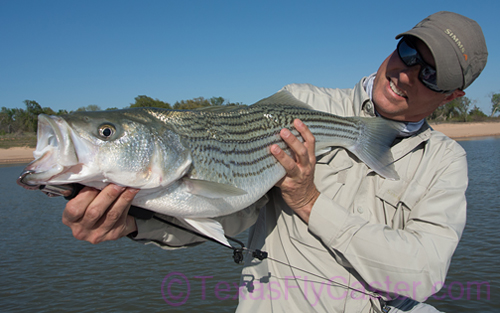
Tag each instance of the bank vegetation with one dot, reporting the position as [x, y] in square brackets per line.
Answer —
[18, 125]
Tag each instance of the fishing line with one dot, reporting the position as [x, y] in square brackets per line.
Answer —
[261, 255]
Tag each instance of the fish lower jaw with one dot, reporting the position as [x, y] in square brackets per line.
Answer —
[41, 177]
[55, 175]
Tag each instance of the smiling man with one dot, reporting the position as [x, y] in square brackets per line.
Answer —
[401, 91]
[340, 237]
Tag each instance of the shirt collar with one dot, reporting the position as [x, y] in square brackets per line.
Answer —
[410, 127]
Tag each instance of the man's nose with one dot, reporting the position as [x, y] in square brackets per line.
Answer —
[409, 74]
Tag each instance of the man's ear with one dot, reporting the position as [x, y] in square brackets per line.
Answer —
[452, 96]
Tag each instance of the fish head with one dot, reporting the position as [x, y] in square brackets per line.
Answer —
[125, 147]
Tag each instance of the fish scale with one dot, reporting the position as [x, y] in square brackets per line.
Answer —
[242, 151]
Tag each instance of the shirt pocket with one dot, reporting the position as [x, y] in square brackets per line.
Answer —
[331, 171]
[398, 199]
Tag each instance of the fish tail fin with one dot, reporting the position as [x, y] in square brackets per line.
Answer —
[374, 144]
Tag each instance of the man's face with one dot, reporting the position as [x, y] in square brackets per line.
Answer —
[399, 95]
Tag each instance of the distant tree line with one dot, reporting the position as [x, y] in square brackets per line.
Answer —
[464, 110]
[19, 120]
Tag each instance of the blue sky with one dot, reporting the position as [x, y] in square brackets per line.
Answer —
[69, 54]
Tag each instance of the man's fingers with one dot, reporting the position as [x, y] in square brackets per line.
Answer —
[115, 222]
[118, 211]
[76, 207]
[100, 204]
[307, 135]
[96, 216]
[297, 187]
[304, 151]
[285, 160]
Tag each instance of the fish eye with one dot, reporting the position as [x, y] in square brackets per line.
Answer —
[106, 131]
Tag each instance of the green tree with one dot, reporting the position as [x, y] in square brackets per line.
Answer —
[89, 108]
[495, 103]
[13, 120]
[148, 102]
[456, 109]
[215, 101]
[19, 120]
[48, 111]
[30, 116]
[463, 105]
[6, 120]
[476, 114]
[191, 104]
[201, 102]
[444, 112]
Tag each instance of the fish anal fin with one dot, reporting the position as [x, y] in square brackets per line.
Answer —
[208, 227]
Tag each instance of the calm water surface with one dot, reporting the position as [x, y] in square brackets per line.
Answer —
[44, 269]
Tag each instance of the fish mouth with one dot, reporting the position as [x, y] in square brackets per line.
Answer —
[54, 154]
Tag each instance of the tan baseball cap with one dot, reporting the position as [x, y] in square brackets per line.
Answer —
[458, 46]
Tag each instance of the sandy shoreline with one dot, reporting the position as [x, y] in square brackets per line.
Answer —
[16, 155]
[457, 131]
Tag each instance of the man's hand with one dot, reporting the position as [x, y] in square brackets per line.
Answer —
[97, 216]
[297, 187]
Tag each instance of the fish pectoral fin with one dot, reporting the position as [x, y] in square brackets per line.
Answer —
[210, 189]
[208, 227]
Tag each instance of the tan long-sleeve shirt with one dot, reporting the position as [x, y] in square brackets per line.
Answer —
[365, 233]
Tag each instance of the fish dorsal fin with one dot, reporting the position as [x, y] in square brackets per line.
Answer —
[283, 97]
[211, 189]
[208, 227]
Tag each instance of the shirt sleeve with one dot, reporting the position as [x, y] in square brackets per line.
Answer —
[169, 237]
[412, 261]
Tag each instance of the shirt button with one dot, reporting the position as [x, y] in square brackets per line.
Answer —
[360, 210]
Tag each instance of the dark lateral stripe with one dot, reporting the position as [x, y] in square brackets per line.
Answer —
[254, 173]
[209, 144]
[233, 166]
[193, 122]
[249, 136]
[258, 125]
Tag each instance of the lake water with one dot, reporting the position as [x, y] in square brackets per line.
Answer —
[44, 269]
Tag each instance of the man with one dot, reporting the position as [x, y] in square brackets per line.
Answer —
[340, 237]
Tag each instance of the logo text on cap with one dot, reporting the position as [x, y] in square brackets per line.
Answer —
[457, 41]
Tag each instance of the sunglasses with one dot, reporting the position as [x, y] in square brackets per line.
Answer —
[410, 57]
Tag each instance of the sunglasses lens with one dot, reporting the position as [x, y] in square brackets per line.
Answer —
[428, 77]
[408, 54]
[410, 57]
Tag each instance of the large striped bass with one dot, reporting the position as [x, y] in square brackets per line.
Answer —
[199, 164]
